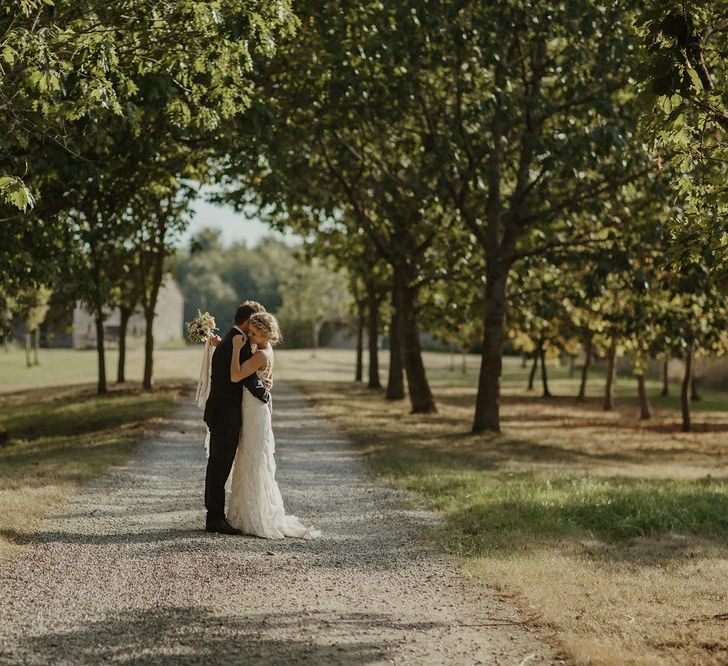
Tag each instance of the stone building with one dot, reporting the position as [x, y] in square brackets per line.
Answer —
[168, 321]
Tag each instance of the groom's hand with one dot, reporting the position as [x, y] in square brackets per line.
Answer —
[268, 383]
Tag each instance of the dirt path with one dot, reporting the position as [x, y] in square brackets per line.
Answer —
[124, 572]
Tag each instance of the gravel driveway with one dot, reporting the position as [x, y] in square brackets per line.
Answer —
[124, 573]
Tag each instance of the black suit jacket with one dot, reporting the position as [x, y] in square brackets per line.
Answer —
[224, 404]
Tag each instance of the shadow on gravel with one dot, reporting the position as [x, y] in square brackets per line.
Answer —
[332, 552]
[191, 635]
[142, 537]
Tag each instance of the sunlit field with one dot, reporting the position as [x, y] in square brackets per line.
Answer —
[61, 367]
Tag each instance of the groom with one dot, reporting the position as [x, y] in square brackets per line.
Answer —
[223, 416]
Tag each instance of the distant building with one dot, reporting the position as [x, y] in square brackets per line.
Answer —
[168, 320]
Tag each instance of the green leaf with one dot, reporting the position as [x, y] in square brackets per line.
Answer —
[14, 192]
[9, 54]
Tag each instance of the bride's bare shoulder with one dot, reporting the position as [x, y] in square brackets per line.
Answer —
[262, 356]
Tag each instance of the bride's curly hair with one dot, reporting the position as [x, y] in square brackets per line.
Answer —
[267, 324]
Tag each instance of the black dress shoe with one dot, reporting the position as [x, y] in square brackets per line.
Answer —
[221, 526]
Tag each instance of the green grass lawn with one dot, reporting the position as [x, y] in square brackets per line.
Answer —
[61, 367]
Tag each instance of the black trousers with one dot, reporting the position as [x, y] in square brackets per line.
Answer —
[223, 444]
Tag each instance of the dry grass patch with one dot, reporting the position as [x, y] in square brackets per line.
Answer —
[612, 531]
[61, 439]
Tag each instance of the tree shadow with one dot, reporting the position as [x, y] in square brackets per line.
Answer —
[195, 635]
[330, 552]
[676, 427]
[145, 537]
[582, 413]
[622, 519]
[72, 410]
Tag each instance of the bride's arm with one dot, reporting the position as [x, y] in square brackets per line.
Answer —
[240, 371]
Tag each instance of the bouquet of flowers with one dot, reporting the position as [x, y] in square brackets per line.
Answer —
[201, 327]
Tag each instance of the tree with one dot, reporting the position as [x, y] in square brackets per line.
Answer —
[126, 297]
[542, 316]
[685, 93]
[162, 210]
[335, 148]
[217, 278]
[33, 306]
[695, 319]
[315, 294]
[369, 276]
[524, 106]
[360, 307]
[69, 66]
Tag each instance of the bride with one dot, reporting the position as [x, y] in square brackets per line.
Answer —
[256, 505]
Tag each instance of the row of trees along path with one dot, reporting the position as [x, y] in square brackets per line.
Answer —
[489, 163]
[540, 171]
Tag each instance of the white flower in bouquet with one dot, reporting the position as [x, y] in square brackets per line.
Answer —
[201, 327]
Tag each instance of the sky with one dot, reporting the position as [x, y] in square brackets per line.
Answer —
[234, 226]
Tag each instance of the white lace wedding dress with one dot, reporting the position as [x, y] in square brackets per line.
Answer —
[256, 505]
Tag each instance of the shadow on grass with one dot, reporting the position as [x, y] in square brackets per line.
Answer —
[556, 421]
[75, 412]
[426, 440]
[676, 427]
[195, 635]
[625, 415]
[66, 459]
[508, 513]
[435, 454]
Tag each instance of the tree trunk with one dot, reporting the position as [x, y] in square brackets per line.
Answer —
[544, 376]
[585, 368]
[36, 345]
[487, 402]
[28, 345]
[645, 410]
[665, 378]
[373, 334]
[124, 315]
[694, 395]
[315, 331]
[360, 325]
[534, 367]
[150, 308]
[395, 382]
[151, 268]
[611, 371]
[421, 399]
[99, 320]
[148, 349]
[464, 366]
[524, 360]
[685, 392]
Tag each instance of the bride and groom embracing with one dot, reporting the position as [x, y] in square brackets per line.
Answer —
[238, 372]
